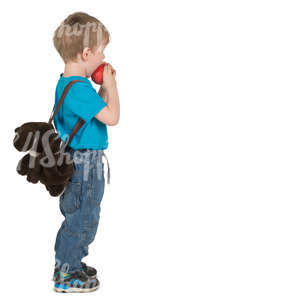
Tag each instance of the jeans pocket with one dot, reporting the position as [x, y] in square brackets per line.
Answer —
[70, 199]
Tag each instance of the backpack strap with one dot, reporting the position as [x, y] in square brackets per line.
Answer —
[80, 122]
[62, 98]
[75, 129]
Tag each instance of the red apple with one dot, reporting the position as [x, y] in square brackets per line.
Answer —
[97, 75]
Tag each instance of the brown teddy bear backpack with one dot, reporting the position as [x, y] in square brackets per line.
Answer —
[46, 160]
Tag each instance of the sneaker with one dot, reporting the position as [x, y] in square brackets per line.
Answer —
[77, 282]
[90, 271]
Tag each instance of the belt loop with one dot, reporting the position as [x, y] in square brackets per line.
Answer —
[108, 168]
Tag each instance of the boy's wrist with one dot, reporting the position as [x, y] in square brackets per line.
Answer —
[107, 92]
[111, 87]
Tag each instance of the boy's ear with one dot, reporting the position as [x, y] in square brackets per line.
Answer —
[85, 53]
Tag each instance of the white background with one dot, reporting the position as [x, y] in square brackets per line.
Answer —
[204, 194]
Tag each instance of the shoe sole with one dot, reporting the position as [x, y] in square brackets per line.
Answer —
[75, 290]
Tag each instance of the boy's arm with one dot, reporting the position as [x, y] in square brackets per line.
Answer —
[110, 114]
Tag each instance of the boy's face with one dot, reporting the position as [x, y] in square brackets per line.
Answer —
[95, 59]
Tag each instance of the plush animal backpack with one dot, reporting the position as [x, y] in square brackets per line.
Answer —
[46, 160]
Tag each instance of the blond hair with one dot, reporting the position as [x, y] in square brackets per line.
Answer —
[69, 40]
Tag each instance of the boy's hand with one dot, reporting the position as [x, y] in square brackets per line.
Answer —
[109, 77]
[113, 71]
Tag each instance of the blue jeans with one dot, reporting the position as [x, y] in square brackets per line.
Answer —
[80, 205]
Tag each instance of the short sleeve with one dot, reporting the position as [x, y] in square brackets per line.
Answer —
[83, 100]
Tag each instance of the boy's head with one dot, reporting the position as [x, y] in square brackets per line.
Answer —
[81, 38]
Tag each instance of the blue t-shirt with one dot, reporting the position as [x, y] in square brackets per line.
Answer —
[82, 101]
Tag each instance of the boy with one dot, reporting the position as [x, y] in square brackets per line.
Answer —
[80, 40]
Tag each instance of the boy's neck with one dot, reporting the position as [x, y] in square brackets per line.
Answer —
[74, 69]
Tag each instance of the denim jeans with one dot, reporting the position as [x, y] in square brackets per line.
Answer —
[80, 205]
